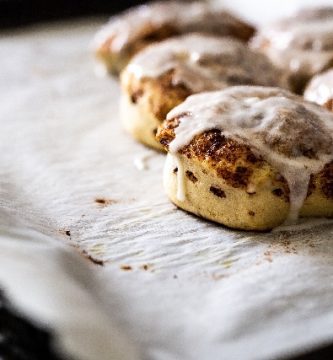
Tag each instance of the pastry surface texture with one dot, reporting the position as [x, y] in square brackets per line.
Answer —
[301, 44]
[250, 158]
[126, 34]
[165, 74]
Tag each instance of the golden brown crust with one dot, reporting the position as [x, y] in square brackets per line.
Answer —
[125, 35]
[117, 61]
[158, 95]
[236, 164]
[232, 161]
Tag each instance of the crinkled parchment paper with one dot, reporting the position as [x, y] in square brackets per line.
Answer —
[178, 286]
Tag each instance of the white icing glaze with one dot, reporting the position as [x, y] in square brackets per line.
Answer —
[204, 62]
[320, 88]
[303, 42]
[277, 125]
[315, 35]
[184, 17]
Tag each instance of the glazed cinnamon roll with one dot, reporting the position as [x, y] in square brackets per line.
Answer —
[250, 158]
[301, 44]
[163, 75]
[126, 34]
[320, 90]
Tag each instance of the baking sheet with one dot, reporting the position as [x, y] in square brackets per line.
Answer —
[179, 286]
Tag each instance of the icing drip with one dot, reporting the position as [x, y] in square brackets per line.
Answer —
[298, 183]
[294, 136]
[203, 63]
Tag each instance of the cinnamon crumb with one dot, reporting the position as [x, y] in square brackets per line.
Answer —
[100, 201]
[65, 232]
[126, 267]
[104, 202]
[92, 259]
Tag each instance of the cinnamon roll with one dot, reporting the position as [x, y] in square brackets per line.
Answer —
[126, 34]
[320, 90]
[301, 44]
[163, 75]
[249, 157]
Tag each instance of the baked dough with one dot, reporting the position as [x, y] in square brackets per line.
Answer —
[250, 158]
[320, 89]
[301, 44]
[163, 75]
[126, 34]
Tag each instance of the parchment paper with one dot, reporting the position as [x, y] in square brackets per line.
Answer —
[179, 287]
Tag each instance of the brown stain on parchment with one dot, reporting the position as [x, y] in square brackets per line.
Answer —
[91, 258]
[105, 202]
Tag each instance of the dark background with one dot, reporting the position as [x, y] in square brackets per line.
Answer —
[14, 13]
[22, 12]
